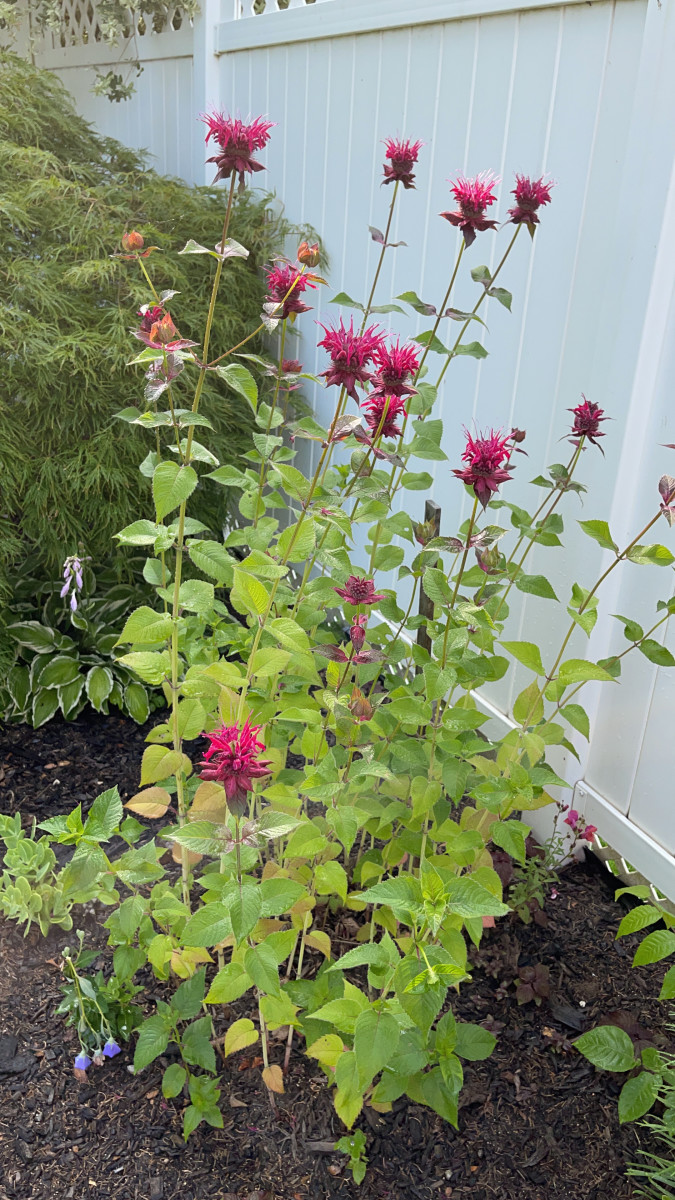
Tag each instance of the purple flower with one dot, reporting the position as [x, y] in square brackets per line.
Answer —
[530, 195]
[351, 354]
[111, 1048]
[233, 759]
[237, 143]
[82, 1061]
[358, 590]
[572, 819]
[473, 197]
[72, 574]
[587, 418]
[487, 456]
[402, 157]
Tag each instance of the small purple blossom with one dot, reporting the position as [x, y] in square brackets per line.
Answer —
[572, 819]
[359, 590]
[82, 1061]
[111, 1048]
[72, 574]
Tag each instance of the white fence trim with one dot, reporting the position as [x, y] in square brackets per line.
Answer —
[151, 47]
[340, 18]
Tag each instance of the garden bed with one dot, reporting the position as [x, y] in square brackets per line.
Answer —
[537, 1122]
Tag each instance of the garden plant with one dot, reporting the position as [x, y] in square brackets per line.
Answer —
[344, 764]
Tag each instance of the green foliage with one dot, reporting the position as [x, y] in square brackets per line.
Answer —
[69, 473]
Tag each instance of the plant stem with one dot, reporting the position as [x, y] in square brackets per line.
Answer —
[261, 480]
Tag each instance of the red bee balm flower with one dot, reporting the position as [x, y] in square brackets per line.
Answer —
[233, 760]
[473, 197]
[384, 421]
[237, 143]
[279, 280]
[485, 455]
[530, 195]
[587, 418]
[402, 158]
[350, 353]
[358, 590]
[396, 366]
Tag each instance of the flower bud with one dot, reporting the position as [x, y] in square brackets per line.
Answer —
[357, 633]
[164, 331]
[309, 255]
[359, 706]
[132, 241]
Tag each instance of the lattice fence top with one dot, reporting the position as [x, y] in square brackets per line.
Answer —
[256, 8]
[81, 24]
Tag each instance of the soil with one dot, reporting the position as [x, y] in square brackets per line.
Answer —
[536, 1122]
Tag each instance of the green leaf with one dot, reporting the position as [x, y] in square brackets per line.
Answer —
[599, 531]
[411, 298]
[212, 558]
[668, 986]
[654, 947]
[241, 1034]
[436, 586]
[608, 1048]
[197, 595]
[481, 274]
[45, 704]
[419, 481]
[331, 878]
[159, 762]
[261, 965]
[473, 349]
[535, 585]
[208, 926]
[188, 997]
[240, 380]
[147, 627]
[196, 1045]
[278, 895]
[152, 666]
[33, 635]
[171, 485]
[104, 816]
[99, 684]
[656, 653]
[229, 984]
[526, 653]
[347, 302]
[578, 670]
[637, 1096]
[136, 702]
[376, 1037]
[510, 836]
[638, 918]
[153, 1039]
[173, 1081]
[578, 719]
[529, 705]
[248, 594]
[502, 296]
[655, 555]
[467, 899]
[473, 1042]
[245, 911]
[59, 671]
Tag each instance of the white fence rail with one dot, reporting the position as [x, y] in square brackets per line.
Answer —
[583, 91]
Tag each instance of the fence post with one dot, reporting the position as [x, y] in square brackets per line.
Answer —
[432, 518]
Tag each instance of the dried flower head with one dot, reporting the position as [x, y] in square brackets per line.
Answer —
[486, 456]
[350, 353]
[473, 197]
[359, 590]
[237, 141]
[395, 367]
[133, 241]
[586, 424]
[402, 157]
[233, 759]
[309, 255]
[383, 413]
[530, 195]
[285, 286]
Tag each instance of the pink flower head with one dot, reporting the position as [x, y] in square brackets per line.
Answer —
[150, 314]
[402, 157]
[530, 195]
[383, 414]
[358, 590]
[572, 819]
[587, 418]
[485, 455]
[237, 143]
[589, 833]
[233, 760]
[396, 365]
[473, 197]
[280, 280]
[351, 354]
[357, 633]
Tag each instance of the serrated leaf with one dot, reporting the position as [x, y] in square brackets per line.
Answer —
[152, 802]
[171, 485]
[608, 1048]
[241, 1034]
[654, 947]
[526, 653]
[240, 380]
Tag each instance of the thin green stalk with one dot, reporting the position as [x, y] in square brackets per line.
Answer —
[465, 553]
[261, 479]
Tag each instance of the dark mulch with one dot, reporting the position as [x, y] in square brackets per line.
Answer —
[537, 1122]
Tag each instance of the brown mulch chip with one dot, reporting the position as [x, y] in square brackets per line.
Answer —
[537, 1122]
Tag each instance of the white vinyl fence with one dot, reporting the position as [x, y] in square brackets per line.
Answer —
[584, 91]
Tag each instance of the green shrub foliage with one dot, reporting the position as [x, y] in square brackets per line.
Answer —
[69, 471]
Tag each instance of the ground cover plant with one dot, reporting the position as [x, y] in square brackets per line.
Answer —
[345, 766]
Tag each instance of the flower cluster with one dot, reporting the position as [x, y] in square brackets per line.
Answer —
[587, 418]
[530, 195]
[473, 197]
[351, 355]
[395, 367]
[284, 287]
[359, 590]
[402, 157]
[72, 575]
[237, 144]
[486, 456]
[382, 414]
[233, 759]
[579, 827]
[83, 1060]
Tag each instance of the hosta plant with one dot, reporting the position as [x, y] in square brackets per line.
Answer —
[345, 780]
